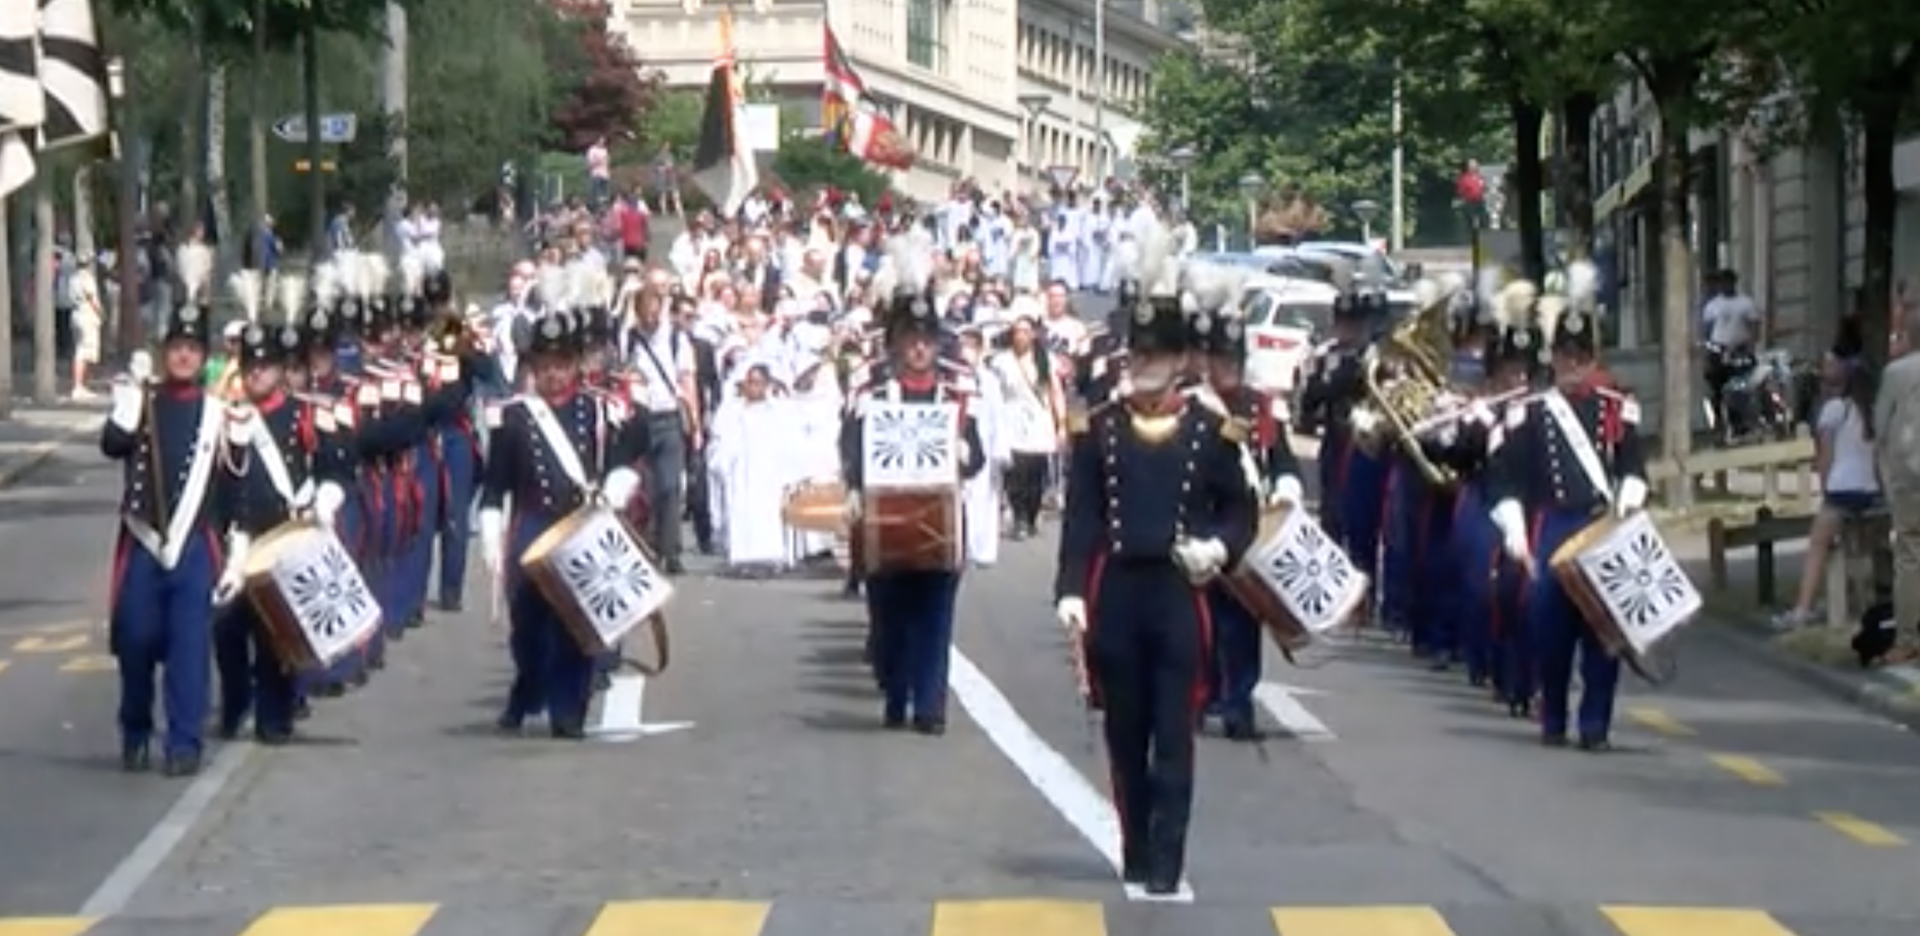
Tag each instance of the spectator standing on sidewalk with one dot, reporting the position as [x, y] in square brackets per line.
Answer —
[1843, 458]
[1896, 421]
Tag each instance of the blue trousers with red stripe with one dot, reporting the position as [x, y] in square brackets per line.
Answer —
[1560, 635]
[161, 628]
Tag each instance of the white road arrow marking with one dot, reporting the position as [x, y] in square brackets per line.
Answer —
[1283, 703]
[623, 710]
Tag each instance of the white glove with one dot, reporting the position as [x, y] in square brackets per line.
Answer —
[128, 398]
[1365, 422]
[1632, 497]
[1250, 467]
[1072, 615]
[620, 486]
[493, 532]
[1513, 532]
[242, 422]
[854, 507]
[1286, 490]
[140, 366]
[962, 452]
[1200, 559]
[327, 499]
[231, 581]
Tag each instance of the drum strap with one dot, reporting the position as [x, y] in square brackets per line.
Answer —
[1581, 442]
[557, 440]
[193, 492]
[276, 466]
[656, 627]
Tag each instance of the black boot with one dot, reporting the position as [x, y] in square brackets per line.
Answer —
[184, 764]
[135, 758]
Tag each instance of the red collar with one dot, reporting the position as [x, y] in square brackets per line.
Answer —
[274, 401]
[181, 389]
[920, 382]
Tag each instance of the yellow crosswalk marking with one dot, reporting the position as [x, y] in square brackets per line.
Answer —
[1659, 721]
[1024, 917]
[66, 643]
[1748, 769]
[1860, 830]
[45, 926]
[4, 664]
[1689, 921]
[363, 920]
[1360, 921]
[680, 918]
[90, 663]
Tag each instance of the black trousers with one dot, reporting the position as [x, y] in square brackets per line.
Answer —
[1147, 652]
[699, 498]
[1026, 486]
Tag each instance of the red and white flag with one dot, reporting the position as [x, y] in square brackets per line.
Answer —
[850, 117]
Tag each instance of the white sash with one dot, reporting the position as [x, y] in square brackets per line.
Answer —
[193, 493]
[558, 440]
[1580, 442]
[276, 465]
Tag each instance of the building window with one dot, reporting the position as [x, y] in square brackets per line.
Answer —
[927, 22]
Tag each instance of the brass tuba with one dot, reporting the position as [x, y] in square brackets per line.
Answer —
[1406, 375]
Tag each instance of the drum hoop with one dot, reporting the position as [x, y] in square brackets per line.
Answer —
[262, 551]
[1577, 544]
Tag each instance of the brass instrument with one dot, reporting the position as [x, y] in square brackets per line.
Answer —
[454, 335]
[1406, 376]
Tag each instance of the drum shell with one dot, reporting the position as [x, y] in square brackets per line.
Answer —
[279, 624]
[1246, 587]
[537, 562]
[912, 530]
[817, 507]
[1585, 597]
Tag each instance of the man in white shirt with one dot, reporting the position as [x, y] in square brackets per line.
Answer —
[1730, 322]
[663, 357]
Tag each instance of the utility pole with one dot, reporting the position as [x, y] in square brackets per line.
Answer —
[393, 103]
[1102, 167]
[1397, 226]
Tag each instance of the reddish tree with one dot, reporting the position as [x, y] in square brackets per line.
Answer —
[607, 93]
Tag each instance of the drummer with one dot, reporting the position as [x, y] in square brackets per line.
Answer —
[1273, 475]
[284, 464]
[1540, 503]
[524, 463]
[910, 614]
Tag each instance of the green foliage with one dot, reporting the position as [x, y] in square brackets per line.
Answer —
[674, 121]
[483, 84]
[810, 162]
[604, 93]
[229, 26]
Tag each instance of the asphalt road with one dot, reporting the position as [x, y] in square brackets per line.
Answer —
[1415, 807]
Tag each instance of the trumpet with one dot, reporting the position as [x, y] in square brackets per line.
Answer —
[455, 335]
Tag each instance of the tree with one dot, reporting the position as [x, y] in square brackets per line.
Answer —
[810, 162]
[607, 94]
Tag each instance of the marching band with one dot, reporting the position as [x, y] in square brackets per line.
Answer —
[285, 528]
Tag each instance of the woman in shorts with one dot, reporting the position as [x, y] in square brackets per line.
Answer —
[1843, 459]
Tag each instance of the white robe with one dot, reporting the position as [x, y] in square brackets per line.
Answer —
[815, 455]
[983, 491]
[749, 450]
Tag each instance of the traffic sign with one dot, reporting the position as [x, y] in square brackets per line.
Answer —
[1063, 176]
[334, 128]
[303, 165]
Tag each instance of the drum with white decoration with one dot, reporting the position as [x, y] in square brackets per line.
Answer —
[1296, 580]
[600, 576]
[911, 495]
[314, 606]
[1629, 587]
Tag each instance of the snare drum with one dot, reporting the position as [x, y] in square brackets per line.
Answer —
[314, 606]
[912, 530]
[599, 575]
[818, 506]
[1296, 581]
[1626, 583]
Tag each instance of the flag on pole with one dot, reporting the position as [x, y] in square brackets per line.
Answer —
[23, 105]
[73, 74]
[723, 164]
[850, 117]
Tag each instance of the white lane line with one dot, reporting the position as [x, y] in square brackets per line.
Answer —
[133, 871]
[1283, 703]
[1050, 773]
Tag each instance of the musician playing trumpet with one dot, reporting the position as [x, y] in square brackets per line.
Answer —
[168, 565]
[552, 451]
[1157, 507]
[1560, 462]
[285, 463]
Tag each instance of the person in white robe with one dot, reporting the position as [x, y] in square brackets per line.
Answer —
[1033, 411]
[817, 399]
[753, 435]
[983, 491]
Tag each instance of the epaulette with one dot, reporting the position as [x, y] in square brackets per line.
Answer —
[495, 412]
[1629, 406]
[1078, 422]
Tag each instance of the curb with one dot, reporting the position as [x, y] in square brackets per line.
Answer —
[39, 453]
[1864, 690]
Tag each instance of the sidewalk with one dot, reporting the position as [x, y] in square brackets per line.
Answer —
[33, 433]
[1818, 657]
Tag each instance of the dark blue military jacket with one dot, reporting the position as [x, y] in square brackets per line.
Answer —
[941, 387]
[1534, 458]
[306, 438]
[522, 463]
[164, 496]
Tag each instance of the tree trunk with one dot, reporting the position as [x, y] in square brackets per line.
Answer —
[257, 208]
[1879, 134]
[1576, 121]
[316, 155]
[1529, 178]
[218, 198]
[191, 213]
[1670, 173]
[46, 381]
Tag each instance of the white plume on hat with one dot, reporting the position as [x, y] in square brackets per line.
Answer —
[1215, 287]
[327, 286]
[246, 286]
[413, 274]
[1159, 272]
[375, 272]
[551, 286]
[195, 263]
[1513, 306]
[1583, 287]
[291, 293]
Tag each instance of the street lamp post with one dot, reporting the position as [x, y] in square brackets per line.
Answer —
[1034, 103]
[1366, 209]
[1252, 186]
[1183, 158]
